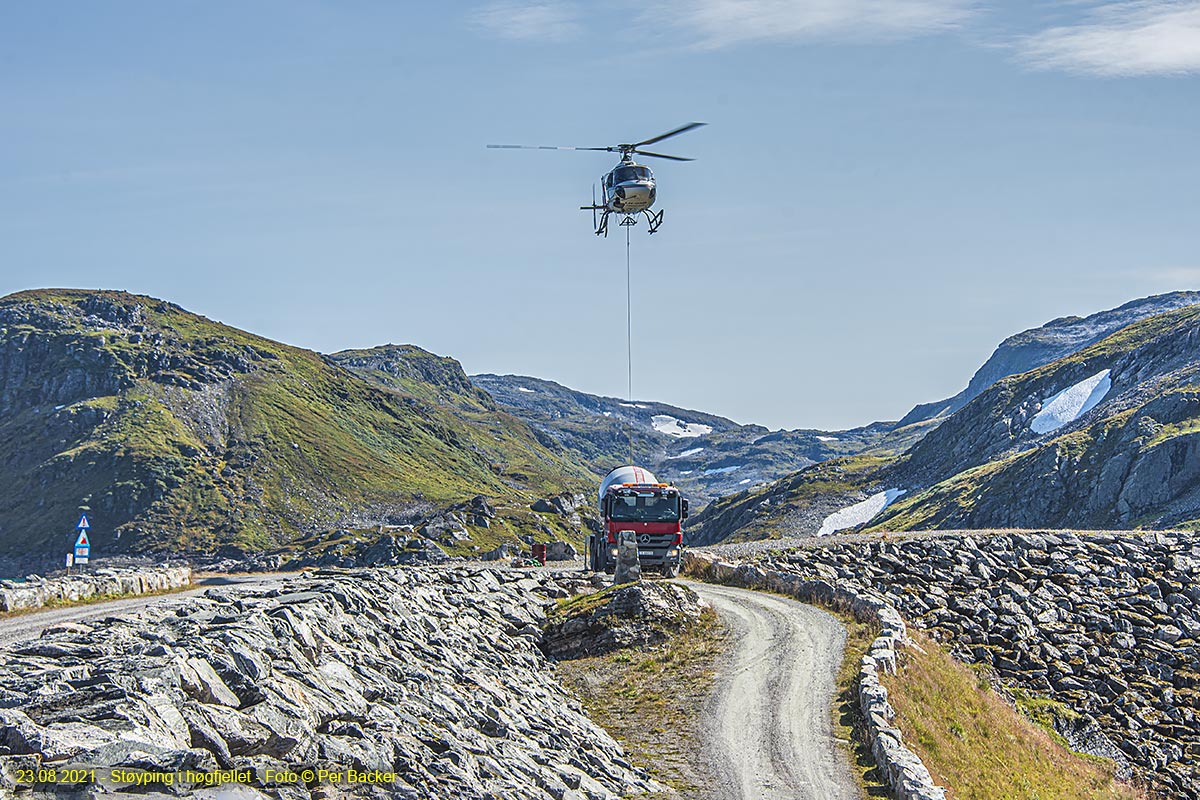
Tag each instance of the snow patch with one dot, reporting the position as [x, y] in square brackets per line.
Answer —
[686, 453]
[743, 483]
[608, 413]
[1071, 403]
[827, 439]
[664, 423]
[686, 472]
[526, 391]
[722, 470]
[859, 513]
[632, 405]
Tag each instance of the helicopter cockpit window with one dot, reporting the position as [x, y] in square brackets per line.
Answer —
[622, 174]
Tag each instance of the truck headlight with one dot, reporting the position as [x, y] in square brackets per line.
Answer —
[674, 551]
[613, 552]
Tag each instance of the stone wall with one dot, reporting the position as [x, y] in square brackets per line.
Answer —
[904, 772]
[433, 675]
[1107, 624]
[36, 591]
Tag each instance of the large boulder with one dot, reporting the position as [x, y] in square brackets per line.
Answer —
[560, 551]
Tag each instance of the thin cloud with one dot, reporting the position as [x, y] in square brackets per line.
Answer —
[723, 23]
[1148, 37]
[548, 21]
[1178, 277]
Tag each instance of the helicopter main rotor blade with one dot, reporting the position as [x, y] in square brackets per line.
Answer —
[669, 134]
[660, 155]
[542, 147]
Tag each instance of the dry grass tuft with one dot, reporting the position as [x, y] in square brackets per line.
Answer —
[981, 748]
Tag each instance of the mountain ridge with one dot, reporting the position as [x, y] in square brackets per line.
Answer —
[1132, 460]
[1055, 339]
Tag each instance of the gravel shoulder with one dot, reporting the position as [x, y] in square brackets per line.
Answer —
[769, 722]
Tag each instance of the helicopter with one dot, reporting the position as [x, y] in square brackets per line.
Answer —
[628, 189]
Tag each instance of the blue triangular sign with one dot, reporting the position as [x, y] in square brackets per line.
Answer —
[82, 541]
[83, 523]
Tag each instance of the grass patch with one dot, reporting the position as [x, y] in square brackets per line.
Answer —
[582, 603]
[88, 601]
[981, 748]
[849, 727]
[651, 700]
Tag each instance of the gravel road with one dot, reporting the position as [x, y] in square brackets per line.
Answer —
[29, 626]
[770, 721]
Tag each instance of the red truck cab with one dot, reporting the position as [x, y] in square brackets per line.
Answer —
[632, 499]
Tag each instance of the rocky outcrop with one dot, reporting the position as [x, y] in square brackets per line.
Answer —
[431, 678]
[902, 769]
[1107, 624]
[408, 367]
[638, 615]
[36, 591]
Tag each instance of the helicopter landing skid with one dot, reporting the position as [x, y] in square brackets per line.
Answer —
[654, 220]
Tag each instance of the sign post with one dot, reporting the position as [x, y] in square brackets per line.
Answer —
[83, 546]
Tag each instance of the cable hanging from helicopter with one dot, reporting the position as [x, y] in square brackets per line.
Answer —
[628, 189]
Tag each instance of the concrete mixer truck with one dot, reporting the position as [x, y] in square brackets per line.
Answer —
[632, 499]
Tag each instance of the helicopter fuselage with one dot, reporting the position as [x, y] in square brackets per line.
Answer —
[629, 188]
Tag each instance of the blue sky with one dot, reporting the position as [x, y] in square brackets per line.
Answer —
[885, 190]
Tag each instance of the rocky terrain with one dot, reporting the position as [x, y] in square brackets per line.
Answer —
[178, 433]
[1105, 624]
[1103, 438]
[433, 675]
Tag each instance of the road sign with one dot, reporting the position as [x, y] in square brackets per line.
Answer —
[70, 559]
[83, 545]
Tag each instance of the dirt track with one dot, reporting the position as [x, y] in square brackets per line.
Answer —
[770, 722]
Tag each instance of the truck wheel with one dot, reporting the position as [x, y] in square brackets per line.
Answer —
[670, 570]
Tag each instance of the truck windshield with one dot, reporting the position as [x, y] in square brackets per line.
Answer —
[645, 509]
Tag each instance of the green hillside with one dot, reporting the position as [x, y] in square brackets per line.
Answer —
[178, 433]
